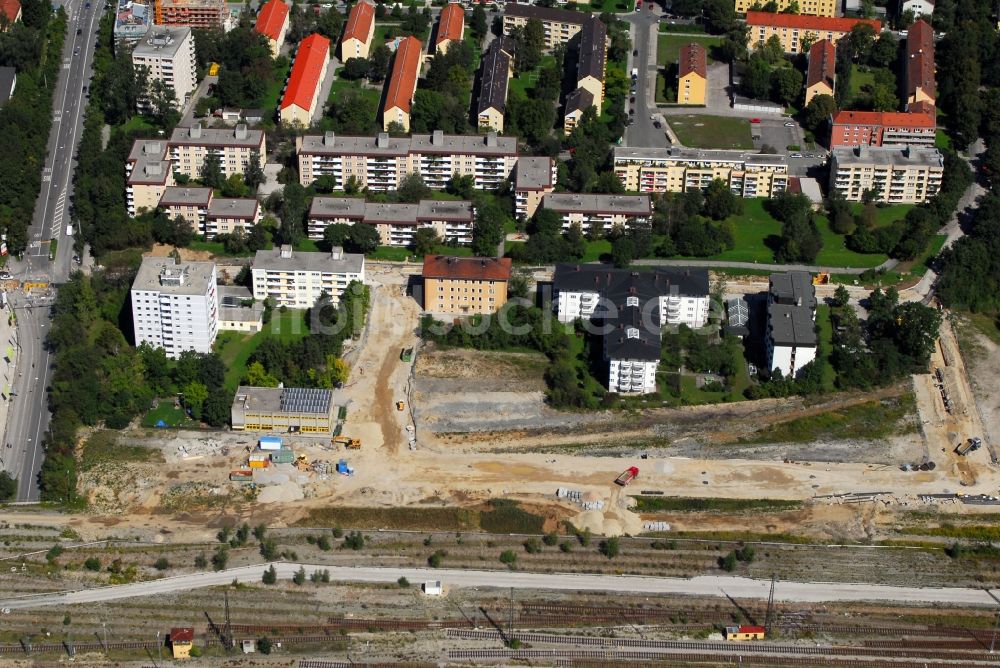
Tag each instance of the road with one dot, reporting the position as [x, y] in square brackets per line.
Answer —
[735, 587]
[643, 27]
[29, 417]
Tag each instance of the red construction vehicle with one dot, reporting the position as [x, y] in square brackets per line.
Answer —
[627, 476]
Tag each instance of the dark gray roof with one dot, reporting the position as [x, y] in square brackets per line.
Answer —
[593, 38]
[793, 288]
[618, 345]
[580, 99]
[515, 9]
[493, 81]
[8, 75]
[608, 281]
[790, 325]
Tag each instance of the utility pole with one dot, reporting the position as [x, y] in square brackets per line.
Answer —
[995, 624]
[770, 608]
[159, 648]
[227, 636]
[510, 617]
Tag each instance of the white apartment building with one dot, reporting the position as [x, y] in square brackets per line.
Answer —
[188, 148]
[396, 223]
[381, 162]
[659, 170]
[630, 308]
[599, 213]
[906, 175]
[175, 305]
[297, 280]
[791, 323]
[168, 55]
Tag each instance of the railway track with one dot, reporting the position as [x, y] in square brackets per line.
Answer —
[47, 648]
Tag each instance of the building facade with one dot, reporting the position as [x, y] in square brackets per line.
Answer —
[168, 56]
[402, 83]
[188, 148]
[175, 306]
[792, 29]
[882, 128]
[272, 23]
[450, 28]
[296, 279]
[396, 224]
[907, 175]
[577, 102]
[599, 214]
[534, 177]
[132, 21]
[189, 203]
[560, 25]
[305, 82]
[821, 75]
[919, 72]
[148, 173]
[692, 74]
[226, 215]
[283, 409]
[208, 14]
[791, 323]
[465, 285]
[918, 7]
[810, 7]
[497, 67]
[656, 170]
[382, 162]
[357, 39]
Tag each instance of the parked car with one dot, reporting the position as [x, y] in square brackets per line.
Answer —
[795, 155]
[635, 52]
[755, 120]
[789, 124]
[656, 124]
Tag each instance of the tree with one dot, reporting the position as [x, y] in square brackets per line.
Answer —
[378, 63]
[488, 231]
[257, 376]
[264, 645]
[860, 42]
[610, 548]
[194, 395]
[818, 111]
[270, 575]
[756, 81]
[885, 50]
[425, 240]
[8, 486]
[720, 202]
[293, 213]
[363, 238]
[234, 186]
[478, 22]
[171, 231]
[220, 558]
[786, 83]
[841, 297]
[463, 185]
[412, 188]
[211, 170]
[772, 51]
[720, 16]
[355, 68]
[300, 576]
[253, 175]
[623, 251]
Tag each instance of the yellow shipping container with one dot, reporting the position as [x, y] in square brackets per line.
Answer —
[261, 464]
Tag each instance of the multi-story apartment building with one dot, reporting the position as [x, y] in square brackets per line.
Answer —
[597, 214]
[918, 7]
[821, 75]
[132, 21]
[305, 82]
[692, 74]
[189, 203]
[592, 55]
[381, 162]
[175, 305]
[396, 223]
[496, 69]
[919, 71]
[658, 170]
[402, 83]
[272, 23]
[465, 285]
[577, 102]
[357, 39]
[450, 27]
[907, 175]
[560, 25]
[792, 29]
[147, 175]
[297, 280]
[882, 128]
[791, 339]
[534, 177]
[192, 13]
[631, 307]
[226, 215]
[168, 56]
[188, 148]
[811, 7]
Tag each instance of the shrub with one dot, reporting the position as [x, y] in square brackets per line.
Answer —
[269, 549]
[583, 537]
[550, 539]
[354, 540]
[300, 576]
[434, 561]
[264, 645]
[270, 576]
[745, 553]
[338, 532]
[728, 562]
[161, 564]
[323, 542]
[53, 553]
[508, 557]
[220, 558]
[200, 561]
[565, 546]
[532, 546]
[259, 532]
[403, 583]
[609, 548]
[92, 564]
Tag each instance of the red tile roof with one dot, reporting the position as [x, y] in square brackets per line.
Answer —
[922, 107]
[920, 59]
[691, 58]
[359, 23]
[11, 9]
[803, 22]
[310, 60]
[893, 119]
[182, 634]
[751, 629]
[451, 23]
[822, 63]
[467, 268]
[272, 18]
[405, 72]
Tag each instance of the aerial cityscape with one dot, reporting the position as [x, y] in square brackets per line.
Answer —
[550, 333]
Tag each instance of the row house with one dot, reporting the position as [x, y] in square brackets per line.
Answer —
[396, 223]
[598, 214]
[659, 170]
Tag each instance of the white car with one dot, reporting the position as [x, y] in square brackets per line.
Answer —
[795, 155]
[789, 125]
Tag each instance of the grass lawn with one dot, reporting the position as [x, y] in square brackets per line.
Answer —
[665, 91]
[668, 46]
[270, 101]
[704, 131]
[235, 348]
[216, 248]
[172, 416]
[525, 82]
[884, 215]
[595, 249]
[942, 140]
[918, 266]
[610, 6]
[860, 78]
[136, 124]
[403, 254]
[340, 85]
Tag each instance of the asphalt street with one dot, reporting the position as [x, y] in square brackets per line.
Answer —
[735, 587]
[643, 24]
[29, 416]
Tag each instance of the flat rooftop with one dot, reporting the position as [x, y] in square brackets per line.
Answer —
[196, 135]
[163, 274]
[384, 145]
[185, 196]
[285, 259]
[625, 153]
[637, 205]
[233, 207]
[533, 173]
[161, 42]
[289, 400]
[906, 156]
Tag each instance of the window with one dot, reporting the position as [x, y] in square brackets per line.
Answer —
[632, 333]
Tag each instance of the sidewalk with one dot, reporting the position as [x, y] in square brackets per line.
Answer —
[8, 367]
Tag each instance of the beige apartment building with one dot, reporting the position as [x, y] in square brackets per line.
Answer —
[168, 56]
[658, 170]
[396, 223]
[188, 203]
[496, 69]
[357, 39]
[465, 285]
[381, 162]
[297, 279]
[598, 214]
[147, 176]
[810, 7]
[534, 177]
[188, 147]
[226, 215]
[906, 175]
[796, 30]
[560, 25]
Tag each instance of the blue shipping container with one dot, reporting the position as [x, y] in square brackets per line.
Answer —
[270, 443]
